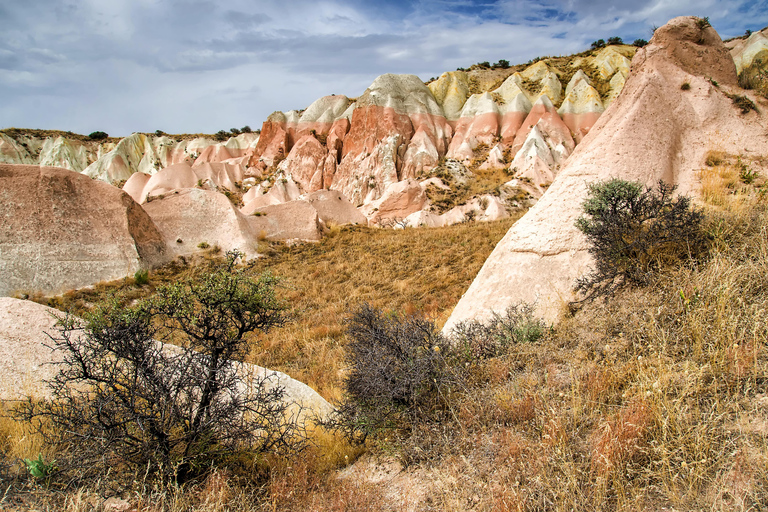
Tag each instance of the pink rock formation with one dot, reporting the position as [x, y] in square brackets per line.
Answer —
[399, 200]
[581, 109]
[294, 220]
[189, 217]
[63, 230]
[397, 130]
[652, 131]
[333, 207]
[479, 123]
[544, 113]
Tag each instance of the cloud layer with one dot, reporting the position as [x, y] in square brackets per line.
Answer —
[202, 65]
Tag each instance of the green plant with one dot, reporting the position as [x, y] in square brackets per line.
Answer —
[633, 230]
[502, 63]
[639, 43]
[600, 43]
[40, 469]
[121, 396]
[685, 87]
[482, 340]
[221, 135]
[246, 129]
[141, 277]
[98, 135]
[742, 103]
[703, 23]
[614, 40]
[746, 174]
[203, 245]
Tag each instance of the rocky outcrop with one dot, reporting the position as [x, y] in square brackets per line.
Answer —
[27, 361]
[400, 199]
[746, 51]
[187, 218]
[451, 91]
[397, 130]
[581, 108]
[62, 230]
[653, 132]
[333, 208]
[294, 220]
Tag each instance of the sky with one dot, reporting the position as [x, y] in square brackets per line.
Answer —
[190, 66]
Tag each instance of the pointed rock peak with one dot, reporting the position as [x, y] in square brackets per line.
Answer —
[451, 91]
[536, 72]
[543, 101]
[582, 98]
[406, 94]
[276, 117]
[691, 44]
[551, 86]
[325, 110]
[579, 76]
[478, 104]
[512, 88]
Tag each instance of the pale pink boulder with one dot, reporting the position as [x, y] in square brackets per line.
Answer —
[291, 221]
[399, 200]
[63, 230]
[652, 131]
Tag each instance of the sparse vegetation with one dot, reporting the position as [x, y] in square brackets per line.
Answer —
[639, 43]
[600, 43]
[120, 397]
[98, 135]
[635, 231]
[744, 104]
[685, 87]
[615, 40]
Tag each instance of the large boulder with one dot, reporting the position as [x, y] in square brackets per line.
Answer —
[653, 131]
[186, 218]
[333, 207]
[294, 220]
[61, 230]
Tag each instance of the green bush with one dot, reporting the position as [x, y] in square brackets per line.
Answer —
[121, 400]
[141, 277]
[600, 43]
[98, 135]
[632, 231]
[615, 40]
[477, 340]
[639, 43]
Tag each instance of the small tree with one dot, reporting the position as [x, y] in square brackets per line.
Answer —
[615, 40]
[503, 64]
[632, 230]
[639, 43]
[122, 398]
[600, 43]
[98, 135]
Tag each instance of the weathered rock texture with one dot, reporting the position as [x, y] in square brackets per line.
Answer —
[652, 131]
[61, 230]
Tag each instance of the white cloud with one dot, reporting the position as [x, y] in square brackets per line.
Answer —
[202, 65]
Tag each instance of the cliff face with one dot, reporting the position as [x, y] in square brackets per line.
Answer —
[654, 130]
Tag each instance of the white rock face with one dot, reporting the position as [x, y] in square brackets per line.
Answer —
[651, 132]
[451, 91]
[745, 52]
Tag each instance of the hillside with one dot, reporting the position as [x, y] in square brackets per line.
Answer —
[465, 370]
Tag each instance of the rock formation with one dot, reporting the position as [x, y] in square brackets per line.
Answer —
[652, 131]
[61, 230]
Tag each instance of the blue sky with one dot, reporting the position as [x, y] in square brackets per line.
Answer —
[203, 65]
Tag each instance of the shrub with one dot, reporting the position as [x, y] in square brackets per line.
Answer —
[743, 103]
[503, 64]
[221, 135]
[615, 40]
[159, 133]
[234, 131]
[632, 230]
[399, 372]
[600, 43]
[639, 43]
[481, 340]
[685, 87]
[122, 400]
[98, 135]
[246, 129]
[141, 277]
